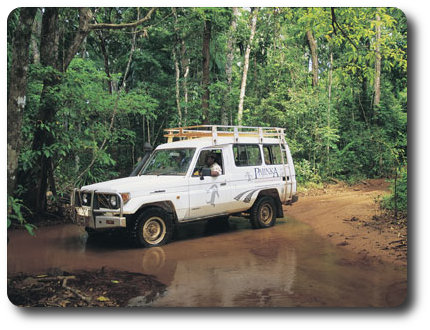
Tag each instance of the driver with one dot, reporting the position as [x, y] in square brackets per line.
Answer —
[213, 165]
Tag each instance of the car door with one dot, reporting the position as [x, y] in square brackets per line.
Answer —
[209, 195]
[246, 182]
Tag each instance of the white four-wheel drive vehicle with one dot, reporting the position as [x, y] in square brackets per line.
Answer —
[209, 172]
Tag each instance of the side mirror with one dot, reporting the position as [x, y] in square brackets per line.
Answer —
[205, 172]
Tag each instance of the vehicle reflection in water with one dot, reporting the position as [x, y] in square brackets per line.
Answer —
[223, 272]
[216, 265]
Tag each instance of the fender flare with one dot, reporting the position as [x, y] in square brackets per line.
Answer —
[274, 193]
[166, 205]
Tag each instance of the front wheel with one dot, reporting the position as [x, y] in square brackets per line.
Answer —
[263, 213]
[154, 227]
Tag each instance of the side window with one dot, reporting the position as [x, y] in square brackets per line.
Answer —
[247, 154]
[267, 155]
[202, 161]
[272, 154]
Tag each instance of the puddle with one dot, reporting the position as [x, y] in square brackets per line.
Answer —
[209, 266]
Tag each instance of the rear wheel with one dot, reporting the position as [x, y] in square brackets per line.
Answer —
[263, 213]
[153, 227]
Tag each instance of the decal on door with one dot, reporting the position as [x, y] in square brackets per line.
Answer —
[248, 195]
[248, 176]
[265, 172]
[213, 191]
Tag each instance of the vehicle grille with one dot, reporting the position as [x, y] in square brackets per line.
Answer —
[101, 201]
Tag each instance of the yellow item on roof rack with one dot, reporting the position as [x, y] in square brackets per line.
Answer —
[214, 131]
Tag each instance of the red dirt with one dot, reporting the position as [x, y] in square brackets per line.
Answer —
[350, 217]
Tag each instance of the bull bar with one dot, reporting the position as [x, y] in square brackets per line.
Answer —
[99, 218]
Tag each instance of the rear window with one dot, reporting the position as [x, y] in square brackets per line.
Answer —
[247, 154]
[272, 154]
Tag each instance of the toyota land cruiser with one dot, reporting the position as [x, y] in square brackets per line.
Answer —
[201, 172]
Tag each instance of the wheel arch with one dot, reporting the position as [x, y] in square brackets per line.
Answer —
[273, 192]
[167, 206]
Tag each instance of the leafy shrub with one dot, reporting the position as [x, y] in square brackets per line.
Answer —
[399, 194]
[16, 210]
[305, 173]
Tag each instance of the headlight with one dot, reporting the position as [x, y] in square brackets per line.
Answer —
[113, 201]
[85, 198]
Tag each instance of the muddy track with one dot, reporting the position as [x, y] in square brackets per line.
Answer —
[350, 217]
[333, 248]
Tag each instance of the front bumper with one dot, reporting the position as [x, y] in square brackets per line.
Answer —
[95, 217]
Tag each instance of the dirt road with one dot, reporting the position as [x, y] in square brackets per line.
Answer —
[350, 217]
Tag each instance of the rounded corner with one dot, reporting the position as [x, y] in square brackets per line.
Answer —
[12, 12]
[11, 300]
[401, 13]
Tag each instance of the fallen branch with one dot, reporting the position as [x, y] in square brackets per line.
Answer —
[73, 290]
[335, 180]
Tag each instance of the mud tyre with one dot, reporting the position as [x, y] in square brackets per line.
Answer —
[153, 227]
[263, 213]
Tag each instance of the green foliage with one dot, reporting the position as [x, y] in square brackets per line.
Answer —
[16, 211]
[305, 173]
[399, 194]
[333, 129]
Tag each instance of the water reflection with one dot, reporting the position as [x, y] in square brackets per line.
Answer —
[222, 275]
[287, 265]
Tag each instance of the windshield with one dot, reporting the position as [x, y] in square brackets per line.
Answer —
[169, 162]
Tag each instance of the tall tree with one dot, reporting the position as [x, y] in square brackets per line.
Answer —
[43, 137]
[49, 47]
[229, 64]
[377, 83]
[177, 69]
[246, 65]
[314, 56]
[35, 37]
[206, 66]
[16, 93]
[185, 64]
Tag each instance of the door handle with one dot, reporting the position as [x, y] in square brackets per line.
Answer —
[223, 184]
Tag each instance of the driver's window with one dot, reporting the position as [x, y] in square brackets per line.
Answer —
[203, 162]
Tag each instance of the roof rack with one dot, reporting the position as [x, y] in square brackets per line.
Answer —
[215, 131]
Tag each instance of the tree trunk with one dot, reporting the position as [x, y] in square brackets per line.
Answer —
[185, 63]
[16, 94]
[177, 69]
[330, 82]
[205, 74]
[229, 66]
[377, 86]
[35, 36]
[177, 90]
[313, 48]
[43, 138]
[246, 66]
[85, 15]
[106, 60]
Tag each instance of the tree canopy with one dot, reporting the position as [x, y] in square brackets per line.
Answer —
[103, 81]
